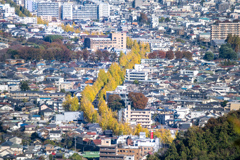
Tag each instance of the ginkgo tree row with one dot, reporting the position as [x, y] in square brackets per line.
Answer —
[109, 82]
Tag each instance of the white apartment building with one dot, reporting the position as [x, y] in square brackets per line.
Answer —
[223, 90]
[138, 116]
[87, 11]
[103, 10]
[191, 73]
[26, 20]
[67, 11]
[48, 9]
[7, 10]
[132, 74]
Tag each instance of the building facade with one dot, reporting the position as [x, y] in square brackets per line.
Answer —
[222, 30]
[139, 116]
[67, 11]
[48, 9]
[87, 11]
[116, 40]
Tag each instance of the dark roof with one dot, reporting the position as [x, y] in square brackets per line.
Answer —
[8, 143]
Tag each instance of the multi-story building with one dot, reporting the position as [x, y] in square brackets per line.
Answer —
[132, 74]
[67, 11]
[31, 5]
[109, 152]
[103, 10]
[48, 9]
[116, 40]
[86, 11]
[138, 3]
[222, 30]
[138, 116]
[7, 10]
[130, 151]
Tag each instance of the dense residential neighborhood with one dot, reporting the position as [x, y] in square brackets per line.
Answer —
[119, 80]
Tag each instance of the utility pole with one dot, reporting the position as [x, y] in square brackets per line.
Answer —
[75, 143]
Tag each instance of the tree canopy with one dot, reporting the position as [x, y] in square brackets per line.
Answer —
[214, 141]
[115, 102]
[24, 86]
[226, 52]
[209, 56]
[139, 101]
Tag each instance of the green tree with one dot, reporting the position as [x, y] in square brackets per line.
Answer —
[52, 38]
[115, 102]
[167, 19]
[209, 56]
[135, 82]
[24, 86]
[226, 52]
[75, 156]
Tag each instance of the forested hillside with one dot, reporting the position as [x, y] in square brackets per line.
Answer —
[217, 140]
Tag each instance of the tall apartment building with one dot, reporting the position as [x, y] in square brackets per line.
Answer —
[67, 11]
[138, 116]
[31, 5]
[48, 9]
[103, 10]
[116, 40]
[86, 11]
[222, 30]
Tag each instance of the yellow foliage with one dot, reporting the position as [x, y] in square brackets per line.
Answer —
[71, 104]
[164, 135]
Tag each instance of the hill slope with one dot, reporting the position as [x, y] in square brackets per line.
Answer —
[19, 10]
[214, 141]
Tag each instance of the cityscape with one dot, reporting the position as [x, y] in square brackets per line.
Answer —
[119, 79]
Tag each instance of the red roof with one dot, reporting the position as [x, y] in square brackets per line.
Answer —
[97, 141]
[91, 133]
[86, 140]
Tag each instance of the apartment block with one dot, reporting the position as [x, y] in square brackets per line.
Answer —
[48, 9]
[132, 74]
[137, 116]
[109, 152]
[103, 10]
[87, 11]
[115, 40]
[222, 30]
[67, 11]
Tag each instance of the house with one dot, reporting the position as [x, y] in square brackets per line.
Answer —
[36, 117]
[15, 140]
[47, 112]
[49, 149]
[69, 117]
[55, 135]
[29, 129]
[5, 107]
[43, 133]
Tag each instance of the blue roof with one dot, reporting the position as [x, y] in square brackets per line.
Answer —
[36, 116]
[24, 124]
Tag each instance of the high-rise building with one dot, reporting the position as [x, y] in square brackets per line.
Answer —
[48, 9]
[67, 10]
[86, 11]
[31, 5]
[222, 30]
[103, 10]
